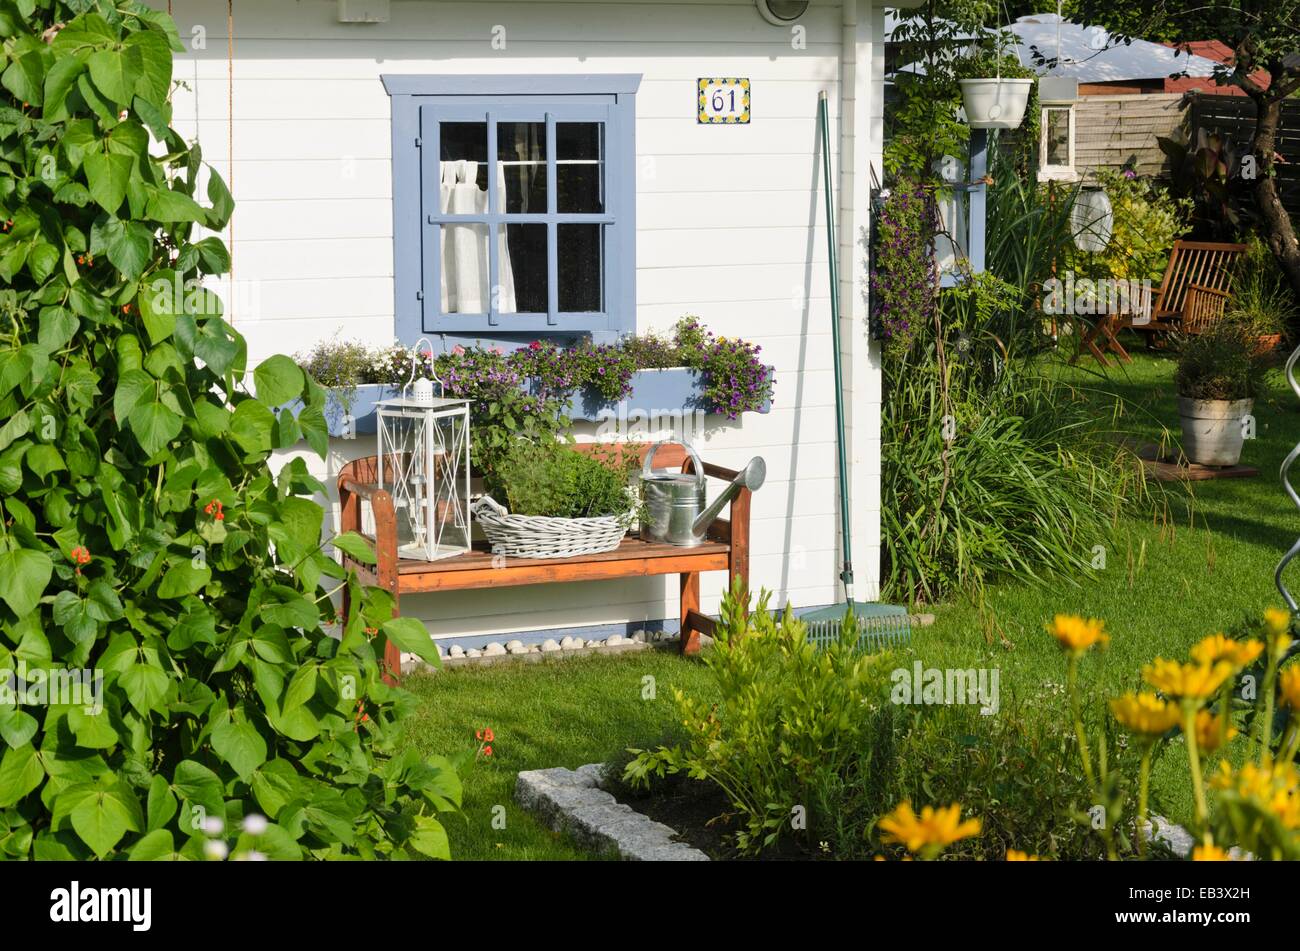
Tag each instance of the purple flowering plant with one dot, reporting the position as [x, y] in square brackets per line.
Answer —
[904, 279]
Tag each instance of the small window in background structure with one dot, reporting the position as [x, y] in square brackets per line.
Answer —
[1056, 144]
[513, 209]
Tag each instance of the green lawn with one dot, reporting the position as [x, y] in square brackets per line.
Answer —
[1201, 566]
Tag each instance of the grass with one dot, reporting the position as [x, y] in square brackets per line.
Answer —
[1200, 564]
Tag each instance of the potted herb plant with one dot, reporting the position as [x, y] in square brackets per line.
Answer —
[1262, 305]
[1218, 376]
[558, 501]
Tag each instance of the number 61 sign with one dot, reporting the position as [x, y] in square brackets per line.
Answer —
[724, 100]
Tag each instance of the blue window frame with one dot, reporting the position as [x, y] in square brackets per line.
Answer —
[513, 205]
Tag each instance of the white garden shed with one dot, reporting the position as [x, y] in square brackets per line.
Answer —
[315, 112]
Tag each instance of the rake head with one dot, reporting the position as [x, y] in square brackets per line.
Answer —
[880, 626]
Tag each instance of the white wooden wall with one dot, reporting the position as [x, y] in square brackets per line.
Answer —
[730, 227]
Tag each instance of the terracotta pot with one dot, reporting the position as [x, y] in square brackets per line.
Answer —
[1267, 343]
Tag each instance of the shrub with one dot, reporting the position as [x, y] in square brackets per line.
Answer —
[145, 539]
[1147, 222]
[548, 478]
[1262, 302]
[791, 721]
[1220, 364]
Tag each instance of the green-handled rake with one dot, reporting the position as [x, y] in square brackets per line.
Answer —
[878, 625]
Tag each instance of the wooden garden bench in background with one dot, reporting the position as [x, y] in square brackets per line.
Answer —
[1197, 281]
[726, 548]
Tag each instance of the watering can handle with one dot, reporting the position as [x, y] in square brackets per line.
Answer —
[646, 467]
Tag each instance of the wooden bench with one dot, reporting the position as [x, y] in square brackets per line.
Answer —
[726, 548]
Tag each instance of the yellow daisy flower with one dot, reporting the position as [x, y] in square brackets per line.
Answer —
[1278, 625]
[1015, 855]
[934, 827]
[1145, 713]
[1186, 681]
[1288, 684]
[1209, 853]
[1217, 647]
[1076, 634]
[1274, 788]
[1209, 731]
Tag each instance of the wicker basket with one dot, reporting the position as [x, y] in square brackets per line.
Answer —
[541, 536]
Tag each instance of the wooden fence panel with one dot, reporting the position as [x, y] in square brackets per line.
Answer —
[1114, 131]
[1234, 116]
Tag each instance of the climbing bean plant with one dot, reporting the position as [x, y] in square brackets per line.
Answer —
[144, 539]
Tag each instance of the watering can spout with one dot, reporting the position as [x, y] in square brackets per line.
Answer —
[751, 477]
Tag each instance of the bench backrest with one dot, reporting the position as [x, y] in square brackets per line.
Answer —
[1207, 263]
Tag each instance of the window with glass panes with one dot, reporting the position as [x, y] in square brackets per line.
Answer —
[513, 205]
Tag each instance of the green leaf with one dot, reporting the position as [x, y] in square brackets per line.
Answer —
[130, 249]
[104, 815]
[43, 459]
[107, 175]
[16, 427]
[351, 543]
[182, 579]
[155, 60]
[134, 387]
[25, 78]
[16, 726]
[223, 205]
[23, 576]
[42, 261]
[251, 425]
[58, 83]
[157, 846]
[57, 326]
[154, 425]
[116, 71]
[199, 785]
[430, 838]
[20, 772]
[170, 206]
[410, 635]
[240, 745]
[278, 380]
[161, 804]
[145, 685]
[160, 300]
[301, 688]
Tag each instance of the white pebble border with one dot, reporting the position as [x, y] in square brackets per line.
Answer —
[550, 649]
[572, 801]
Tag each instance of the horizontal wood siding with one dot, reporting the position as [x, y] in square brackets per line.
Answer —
[1113, 131]
[729, 227]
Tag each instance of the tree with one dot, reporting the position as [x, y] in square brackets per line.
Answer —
[1264, 35]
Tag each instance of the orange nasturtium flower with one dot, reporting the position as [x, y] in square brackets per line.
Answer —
[1288, 684]
[1217, 648]
[1145, 714]
[1209, 731]
[1209, 853]
[1186, 681]
[932, 828]
[1076, 634]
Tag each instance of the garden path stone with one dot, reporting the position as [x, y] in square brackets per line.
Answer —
[572, 801]
[614, 640]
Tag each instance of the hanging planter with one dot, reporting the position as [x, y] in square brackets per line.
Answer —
[995, 102]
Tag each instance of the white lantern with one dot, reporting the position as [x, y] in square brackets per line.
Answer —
[1092, 219]
[424, 466]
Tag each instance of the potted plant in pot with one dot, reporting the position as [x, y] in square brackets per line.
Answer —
[1262, 304]
[558, 502]
[995, 87]
[1218, 376]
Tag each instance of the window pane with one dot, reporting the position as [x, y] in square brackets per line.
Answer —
[581, 253]
[522, 270]
[464, 269]
[580, 167]
[1058, 137]
[521, 150]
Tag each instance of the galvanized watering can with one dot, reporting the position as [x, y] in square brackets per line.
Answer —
[674, 501]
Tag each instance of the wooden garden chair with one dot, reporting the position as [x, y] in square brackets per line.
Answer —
[1206, 266]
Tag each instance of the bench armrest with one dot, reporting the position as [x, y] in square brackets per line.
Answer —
[381, 504]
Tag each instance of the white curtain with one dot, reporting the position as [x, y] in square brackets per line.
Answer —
[465, 246]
